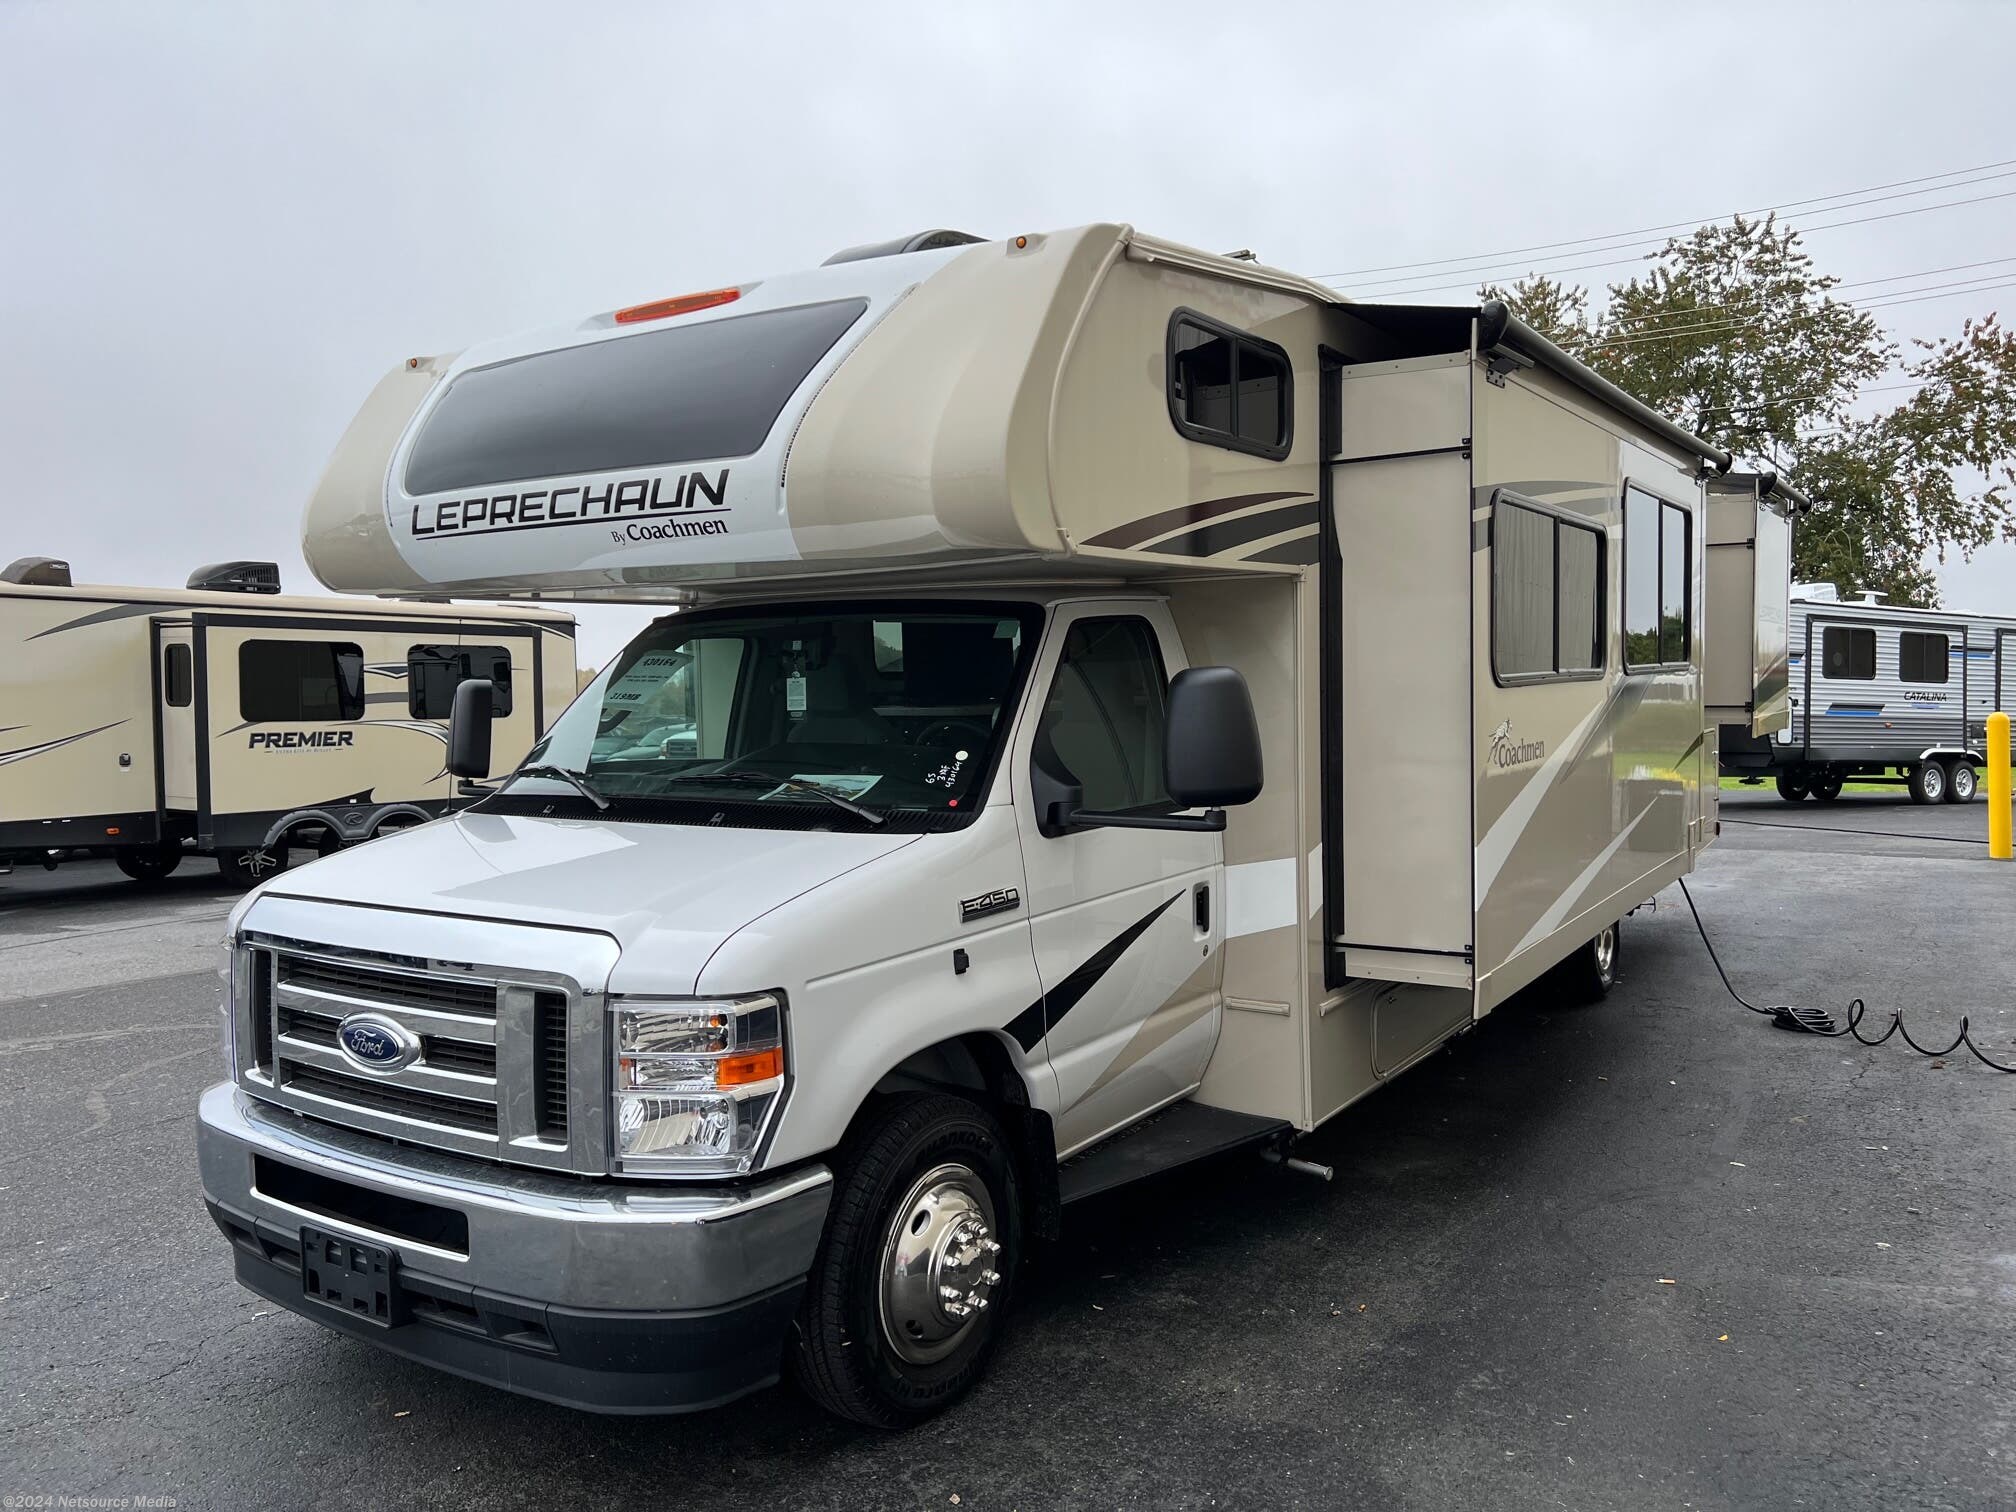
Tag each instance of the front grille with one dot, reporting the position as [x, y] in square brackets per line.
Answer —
[458, 1055]
[397, 988]
[401, 1102]
[549, 1064]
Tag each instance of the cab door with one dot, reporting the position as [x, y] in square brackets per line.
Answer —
[1126, 923]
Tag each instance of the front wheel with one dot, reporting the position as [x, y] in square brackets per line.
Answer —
[1928, 783]
[1961, 783]
[250, 866]
[905, 1296]
[1790, 788]
[148, 863]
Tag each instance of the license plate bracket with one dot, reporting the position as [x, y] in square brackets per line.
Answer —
[357, 1279]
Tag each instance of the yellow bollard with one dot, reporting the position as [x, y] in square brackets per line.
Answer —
[1998, 786]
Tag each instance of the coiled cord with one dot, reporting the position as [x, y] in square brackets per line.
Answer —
[1819, 1021]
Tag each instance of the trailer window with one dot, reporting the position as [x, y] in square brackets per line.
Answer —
[1103, 722]
[1547, 595]
[178, 679]
[433, 673]
[1658, 552]
[685, 394]
[288, 681]
[1923, 658]
[1848, 654]
[1227, 388]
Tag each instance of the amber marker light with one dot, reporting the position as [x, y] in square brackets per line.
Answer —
[678, 304]
[749, 1067]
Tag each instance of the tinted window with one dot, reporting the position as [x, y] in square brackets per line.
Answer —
[1227, 388]
[1103, 721]
[434, 672]
[1673, 574]
[1922, 658]
[1579, 599]
[298, 681]
[1547, 594]
[1658, 557]
[685, 394]
[178, 681]
[1848, 654]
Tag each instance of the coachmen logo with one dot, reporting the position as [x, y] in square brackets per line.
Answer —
[375, 1043]
[1509, 752]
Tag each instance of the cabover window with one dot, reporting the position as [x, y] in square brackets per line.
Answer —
[1848, 654]
[434, 672]
[1227, 388]
[1922, 658]
[287, 681]
[1658, 548]
[690, 393]
[1546, 594]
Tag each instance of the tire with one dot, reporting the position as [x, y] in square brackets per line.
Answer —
[1826, 787]
[1588, 975]
[1961, 782]
[148, 863]
[1790, 787]
[929, 1177]
[1928, 783]
[251, 865]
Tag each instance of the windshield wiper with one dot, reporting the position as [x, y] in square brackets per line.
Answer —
[764, 779]
[577, 780]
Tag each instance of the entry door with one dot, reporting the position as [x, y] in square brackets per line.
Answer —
[1126, 923]
[175, 681]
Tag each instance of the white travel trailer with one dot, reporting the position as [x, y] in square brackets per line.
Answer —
[1882, 693]
[1119, 689]
[228, 719]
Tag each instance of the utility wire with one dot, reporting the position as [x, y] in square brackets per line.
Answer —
[1670, 317]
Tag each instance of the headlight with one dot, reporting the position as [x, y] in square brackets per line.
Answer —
[696, 1082]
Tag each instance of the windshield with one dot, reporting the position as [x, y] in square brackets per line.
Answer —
[891, 707]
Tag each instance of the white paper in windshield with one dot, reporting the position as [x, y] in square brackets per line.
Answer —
[644, 677]
[841, 784]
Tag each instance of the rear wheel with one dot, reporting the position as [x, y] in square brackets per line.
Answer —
[1590, 973]
[253, 864]
[904, 1300]
[1961, 782]
[1791, 788]
[1826, 787]
[1928, 783]
[149, 863]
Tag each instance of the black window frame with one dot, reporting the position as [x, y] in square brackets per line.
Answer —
[1163, 805]
[500, 697]
[1665, 664]
[1563, 519]
[350, 695]
[1840, 629]
[178, 674]
[1944, 660]
[1229, 440]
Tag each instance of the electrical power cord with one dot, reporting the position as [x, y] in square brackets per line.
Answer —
[1839, 829]
[1821, 1022]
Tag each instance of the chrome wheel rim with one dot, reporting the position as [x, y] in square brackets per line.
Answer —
[1963, 782]
[937, 1275]
[1935, 782]
[1606, 952]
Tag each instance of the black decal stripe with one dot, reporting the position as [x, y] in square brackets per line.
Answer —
[22, 753]
[1695, 746]
[1300, 551]
[1210, 540]
[1032, 1023]
[121, 611]
[1134, 532]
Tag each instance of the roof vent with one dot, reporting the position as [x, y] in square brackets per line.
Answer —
[37, 572]
[922, 241]
[1870, 596]
[237, 577]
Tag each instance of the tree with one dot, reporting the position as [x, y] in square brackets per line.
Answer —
[1735, 334]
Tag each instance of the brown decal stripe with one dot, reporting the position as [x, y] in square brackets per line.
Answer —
[1298, 552]
[1210, 540]
[1134, 532]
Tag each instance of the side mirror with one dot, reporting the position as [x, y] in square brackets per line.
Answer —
[1211, 748]
[469, 722]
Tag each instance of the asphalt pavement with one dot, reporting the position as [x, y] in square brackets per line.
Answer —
[1652, 1253]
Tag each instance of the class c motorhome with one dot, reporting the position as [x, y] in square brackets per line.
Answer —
[1116, 690]
[233, 721]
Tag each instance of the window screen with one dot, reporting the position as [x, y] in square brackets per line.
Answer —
[1848, 654]
[178, 679]
[1658, 557]
[1103, 722]
[1227, 388]
[1923, 658]
[434, 672]
[281, 681]
[1547, 594]
[684, 394]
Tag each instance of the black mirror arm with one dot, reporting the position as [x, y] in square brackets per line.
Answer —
[1210, 822]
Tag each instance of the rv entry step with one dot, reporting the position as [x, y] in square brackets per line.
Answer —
[1179, 1134]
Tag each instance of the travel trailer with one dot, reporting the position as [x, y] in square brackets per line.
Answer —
[238, 723]
[1128, 704]
[1881, 694]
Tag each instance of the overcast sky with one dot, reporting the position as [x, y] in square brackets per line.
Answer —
[221, 224]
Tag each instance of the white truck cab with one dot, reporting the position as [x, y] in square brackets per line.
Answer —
[1112, 688]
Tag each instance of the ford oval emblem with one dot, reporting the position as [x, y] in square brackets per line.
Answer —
[377, 1043]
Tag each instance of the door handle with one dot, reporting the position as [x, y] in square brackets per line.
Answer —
[1200, 907]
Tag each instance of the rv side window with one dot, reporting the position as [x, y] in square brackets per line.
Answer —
[434, 672]
[1922, 658]
[285, 681]
[178, 679]
[1103, 721]
[1848, 654]
[1229, 389]
[1658, 551]
[1547, 595]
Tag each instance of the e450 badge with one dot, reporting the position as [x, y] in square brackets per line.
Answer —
[1001, 900]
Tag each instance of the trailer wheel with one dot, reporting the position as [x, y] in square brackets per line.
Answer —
[148, 863]
[904, 1300]
[1826, 787]
[1928, 783]
[252, 865]
[1790, 787]
[1961, 782]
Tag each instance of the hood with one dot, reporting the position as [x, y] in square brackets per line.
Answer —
[670, 894]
